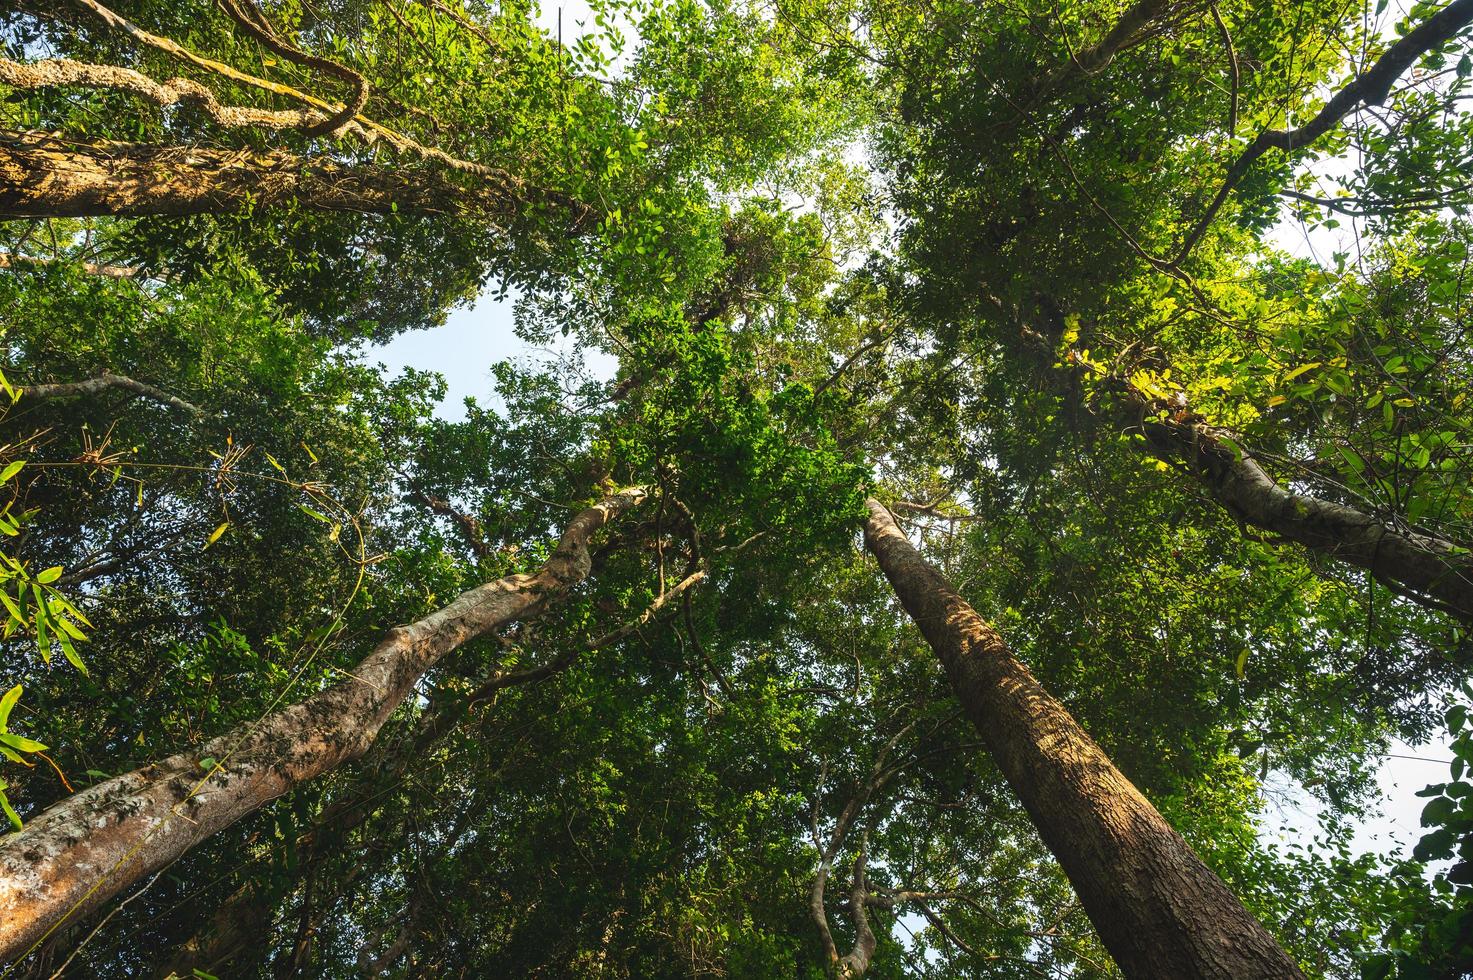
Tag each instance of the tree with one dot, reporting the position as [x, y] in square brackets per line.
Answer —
[724, 750]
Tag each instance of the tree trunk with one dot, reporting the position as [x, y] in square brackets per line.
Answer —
[41, 177]
[87, 848]
[1160, 911]
[1425, 568]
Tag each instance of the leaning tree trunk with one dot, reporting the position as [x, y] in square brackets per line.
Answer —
[1161, 912]
[89, 847]
[1426, 568]
[43, 177]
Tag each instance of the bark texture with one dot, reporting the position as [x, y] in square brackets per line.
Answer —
[108, 381]
[45, 177]
[91, 846]
[1160, 911]
[1426, 568]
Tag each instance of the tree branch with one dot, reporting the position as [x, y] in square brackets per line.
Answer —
[369, 130]
[42, 176]
[470, 528]
[11, 260]
[1372, 87]
[249, 16]
[1432, 570]
[54, 72]
[106, 382]
[92, 845]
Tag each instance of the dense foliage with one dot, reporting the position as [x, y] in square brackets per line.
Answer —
[1007, 266]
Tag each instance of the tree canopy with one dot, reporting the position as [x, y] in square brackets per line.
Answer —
[1040, 445]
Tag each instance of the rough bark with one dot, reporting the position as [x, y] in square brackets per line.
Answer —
[1160, 911]
[87, 848]
[45, 177]
[1430, 570]
[108, 381]
[9, 260]
[223, 939]
[58, 72]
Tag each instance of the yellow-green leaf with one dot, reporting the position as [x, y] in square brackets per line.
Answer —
[7, 701]
[9, 810]
[1301, 370]
[20, 743]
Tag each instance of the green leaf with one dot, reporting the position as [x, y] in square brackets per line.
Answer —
[67, 626]
[215, 534]
[1437, 813]
[7, 701]
[20, 743]
[1301, 370]
[9, 810]
[12, 608]
[49, 575]
[8, 474]
[70, 652]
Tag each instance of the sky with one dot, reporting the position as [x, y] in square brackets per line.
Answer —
[463, 350]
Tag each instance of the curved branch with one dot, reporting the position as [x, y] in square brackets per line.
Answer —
[249, 16]
[470, 528]
[1435, 571]
[54, 72]
[361, 126]
[108, 381]
[1371, 88]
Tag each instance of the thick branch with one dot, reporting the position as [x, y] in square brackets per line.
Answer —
[55, 72]
[96, 843]
[1123, 35]
[44, 177]
[1438, 572]
[225, 937]
[108, 382]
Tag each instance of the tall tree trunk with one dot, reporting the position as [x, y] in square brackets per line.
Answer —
[91, 846]
[41, 177]
[1160, 911]
[1428, 569]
